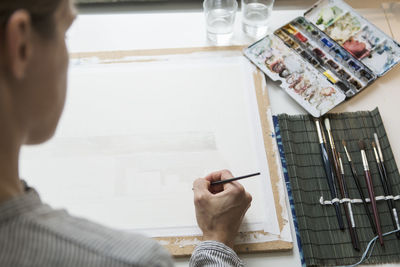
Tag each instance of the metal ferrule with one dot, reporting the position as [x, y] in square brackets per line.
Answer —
[353, 224]
[396, 218]
[323, 135]
[341, 165]
[376, 155]
[378, 145]
[331, 140]
[320, 137]
[364, 160]
[347, 153]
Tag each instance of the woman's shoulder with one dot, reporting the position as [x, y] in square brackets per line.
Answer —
[54, 236]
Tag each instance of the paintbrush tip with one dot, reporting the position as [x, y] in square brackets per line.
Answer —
[373, 144]
[361, 144]
[344, 143]
[327, 124]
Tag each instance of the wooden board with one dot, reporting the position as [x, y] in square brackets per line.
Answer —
[174, 244]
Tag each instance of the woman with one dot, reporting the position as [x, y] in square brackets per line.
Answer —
[33, 72]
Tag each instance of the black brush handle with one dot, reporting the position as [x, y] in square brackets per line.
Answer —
[331, 184]
[234, 179]
[349, 214]
[368, 180]
[358, 184]
[387, 181]
[387, 189]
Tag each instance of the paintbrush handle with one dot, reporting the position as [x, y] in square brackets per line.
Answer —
[388, 191]
[331, 184]
[342, 187]
[358, 184]
[334, 156]
[386, 178]
[371, 193]
[352, 227]
[336, 164]
[234, 179]
[382, 178]
[349, 214]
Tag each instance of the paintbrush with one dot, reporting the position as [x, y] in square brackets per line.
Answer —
[368, 180]
[342, 186]
[347, 208]
[333, 149]
[234, 179]
[389, 186]
[360, 191]
[386, 190]
[329, 172]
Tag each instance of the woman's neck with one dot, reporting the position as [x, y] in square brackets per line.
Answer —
[10, 143]
[10, 184]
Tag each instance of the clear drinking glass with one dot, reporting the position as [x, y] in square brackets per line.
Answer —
[220, 19]
[255, 16]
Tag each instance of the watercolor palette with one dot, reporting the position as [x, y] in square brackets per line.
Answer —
[325, 57]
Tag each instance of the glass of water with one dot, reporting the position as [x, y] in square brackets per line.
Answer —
[220, 19]
[255, 16]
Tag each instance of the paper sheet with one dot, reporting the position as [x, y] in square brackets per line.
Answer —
[134, 136]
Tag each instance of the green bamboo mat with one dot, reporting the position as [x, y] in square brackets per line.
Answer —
[322, 241]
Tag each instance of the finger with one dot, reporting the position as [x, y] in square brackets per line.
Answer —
[219, 175]
[201, 185]
[237, 192]
[234, 188]
[215, 189]
[248, 204]
[249, 198]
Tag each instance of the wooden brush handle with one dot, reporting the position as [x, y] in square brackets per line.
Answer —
[371, 193]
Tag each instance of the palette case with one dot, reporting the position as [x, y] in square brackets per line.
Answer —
[325, 57]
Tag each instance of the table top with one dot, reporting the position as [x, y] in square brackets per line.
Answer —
[157, 27]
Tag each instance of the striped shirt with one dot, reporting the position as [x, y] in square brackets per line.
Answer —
[34, 234]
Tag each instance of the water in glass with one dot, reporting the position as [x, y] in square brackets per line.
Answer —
[220, 25]
[255, 18]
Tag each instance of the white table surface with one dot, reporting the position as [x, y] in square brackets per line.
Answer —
[145, 28]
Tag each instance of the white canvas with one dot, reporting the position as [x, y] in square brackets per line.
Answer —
[135, 135]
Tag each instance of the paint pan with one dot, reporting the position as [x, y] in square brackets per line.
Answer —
[341, 54]
[356, 84]
[326, 42]
[290, 29]
[344, 74]
[301, 37]
[354, 65]
[366, 75]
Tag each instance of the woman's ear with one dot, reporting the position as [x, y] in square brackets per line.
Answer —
[18, 43]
